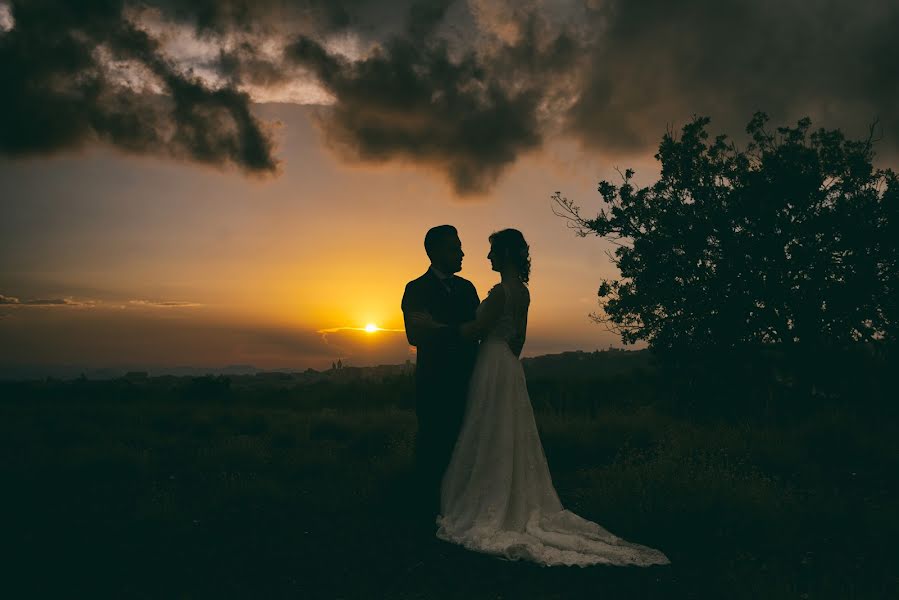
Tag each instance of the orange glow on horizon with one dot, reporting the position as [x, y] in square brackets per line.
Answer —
[370, 328]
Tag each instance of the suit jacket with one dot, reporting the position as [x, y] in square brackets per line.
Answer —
[444, 358]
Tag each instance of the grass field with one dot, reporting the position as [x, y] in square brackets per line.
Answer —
[111, 490]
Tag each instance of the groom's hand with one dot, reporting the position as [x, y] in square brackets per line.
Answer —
[423, 319]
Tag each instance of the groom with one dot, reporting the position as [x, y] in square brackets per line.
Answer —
[444, 358]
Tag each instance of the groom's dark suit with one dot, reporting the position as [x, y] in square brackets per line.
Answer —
[443, 368]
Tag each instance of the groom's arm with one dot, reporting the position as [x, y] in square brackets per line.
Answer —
[414, 301]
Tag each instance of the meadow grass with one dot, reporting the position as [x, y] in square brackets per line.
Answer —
[130, 494]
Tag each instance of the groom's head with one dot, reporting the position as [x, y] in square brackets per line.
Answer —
[444, 248]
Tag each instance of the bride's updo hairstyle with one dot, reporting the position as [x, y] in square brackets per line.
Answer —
[509, 244]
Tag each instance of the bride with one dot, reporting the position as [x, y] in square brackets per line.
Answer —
[497, 495]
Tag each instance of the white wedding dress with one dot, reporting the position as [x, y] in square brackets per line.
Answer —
[497, 495]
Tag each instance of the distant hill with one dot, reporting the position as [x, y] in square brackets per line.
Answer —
[572, 366]
[580, 365]
[31, 372]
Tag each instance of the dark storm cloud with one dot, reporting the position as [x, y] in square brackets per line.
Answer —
[446, 84]
[615, 74]
[469, 114]
[424, 17]
[58, 92]
[414, 102]
[655, 63]
[243, 64]
[222, 16]
[539, 63]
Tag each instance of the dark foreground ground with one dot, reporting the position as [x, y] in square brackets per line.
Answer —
[111, 490]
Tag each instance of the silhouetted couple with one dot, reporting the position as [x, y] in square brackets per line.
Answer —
[479, 457]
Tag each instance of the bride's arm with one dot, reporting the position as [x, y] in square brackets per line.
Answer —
[490, 311]
[516, 344]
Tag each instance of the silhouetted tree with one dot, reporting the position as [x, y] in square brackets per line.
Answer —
[788, 243]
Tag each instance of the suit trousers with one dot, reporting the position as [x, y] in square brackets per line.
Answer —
[440, 407]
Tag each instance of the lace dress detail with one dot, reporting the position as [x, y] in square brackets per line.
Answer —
[497, 494]
[511, 327]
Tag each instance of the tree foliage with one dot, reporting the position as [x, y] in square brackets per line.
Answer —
[790, 240]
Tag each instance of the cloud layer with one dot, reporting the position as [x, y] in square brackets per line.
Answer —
[461, 87]
[653, 62]
[13, 301]
[75, 73]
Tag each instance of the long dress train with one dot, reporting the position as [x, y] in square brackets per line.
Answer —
[497, 494]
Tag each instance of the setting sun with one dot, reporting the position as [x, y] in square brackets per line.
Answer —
[371, 328]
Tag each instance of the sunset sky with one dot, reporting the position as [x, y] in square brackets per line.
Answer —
[233, 182]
